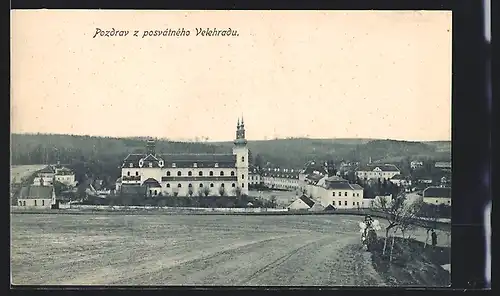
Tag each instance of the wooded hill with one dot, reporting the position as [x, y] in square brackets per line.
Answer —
[293, 152]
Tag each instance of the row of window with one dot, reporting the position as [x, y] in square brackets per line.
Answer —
[282, 180]
[201, 185]
[200, 173]
[174, 165]
[24, 203]
[345, 194]
[345, 203]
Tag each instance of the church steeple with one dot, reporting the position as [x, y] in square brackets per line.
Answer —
[240, 132]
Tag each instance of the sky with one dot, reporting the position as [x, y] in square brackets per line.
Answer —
[317, 74]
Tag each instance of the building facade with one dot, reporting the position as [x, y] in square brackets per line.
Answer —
[37, 197]
[189, 174]
[381, 171]
[337, 192]
[279, 178]
[51, 173]
[301, 203]
[437, 195]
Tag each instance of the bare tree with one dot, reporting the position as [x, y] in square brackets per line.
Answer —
[206, 191]
[393, 210]
[222, 191]
[410, 212]
[200, 192]
[237, 191]
[273, 201]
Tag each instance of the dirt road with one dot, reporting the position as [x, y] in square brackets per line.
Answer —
[189, 250]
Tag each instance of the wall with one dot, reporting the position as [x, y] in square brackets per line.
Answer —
[241, 153]
[184, 189]
[438, 200]
[298, 205]
[41, 203]
[282, 183]
[66, 179]
[354, 198]
[46, 181]
[376, 175]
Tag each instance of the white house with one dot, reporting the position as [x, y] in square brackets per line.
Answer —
[400, 180]
[37, 197]
[301, 203]
[437, 195]
[443, 164]
[65, 176]
[254, 176]
[416, 164]
[337, 192]
[378, 171]
[280, 178]
[45, 177]
[179, 174]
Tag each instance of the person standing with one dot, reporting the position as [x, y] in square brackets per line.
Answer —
[434, 238]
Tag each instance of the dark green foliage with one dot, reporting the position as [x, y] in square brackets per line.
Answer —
[104, 155]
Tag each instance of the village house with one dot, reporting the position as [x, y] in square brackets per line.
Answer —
[45, 177]
[336, 191]
[416, 164]
[301, 203]
[278, 178]
[443, 165]
[378, 171]
[65, 176]
[180, 174]
[51, 173]
[400, 180]
[437, 195]
[254, 176]
[37, 197]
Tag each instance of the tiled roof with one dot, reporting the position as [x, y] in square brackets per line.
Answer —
[329, 207]
[294, 175]
[119, 180]
[336, 179]
[339, 185]
[33, 192]
[398, 177]
[314, 177]
[47, 169]
[307, 200]
[150, 157]
[437, 192]
[182, 160]
[383, 167]
[312, 166]
[356, 187]
[219, 158]
[151, 183]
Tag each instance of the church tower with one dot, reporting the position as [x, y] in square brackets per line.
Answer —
[240, 149]
[151, 147]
